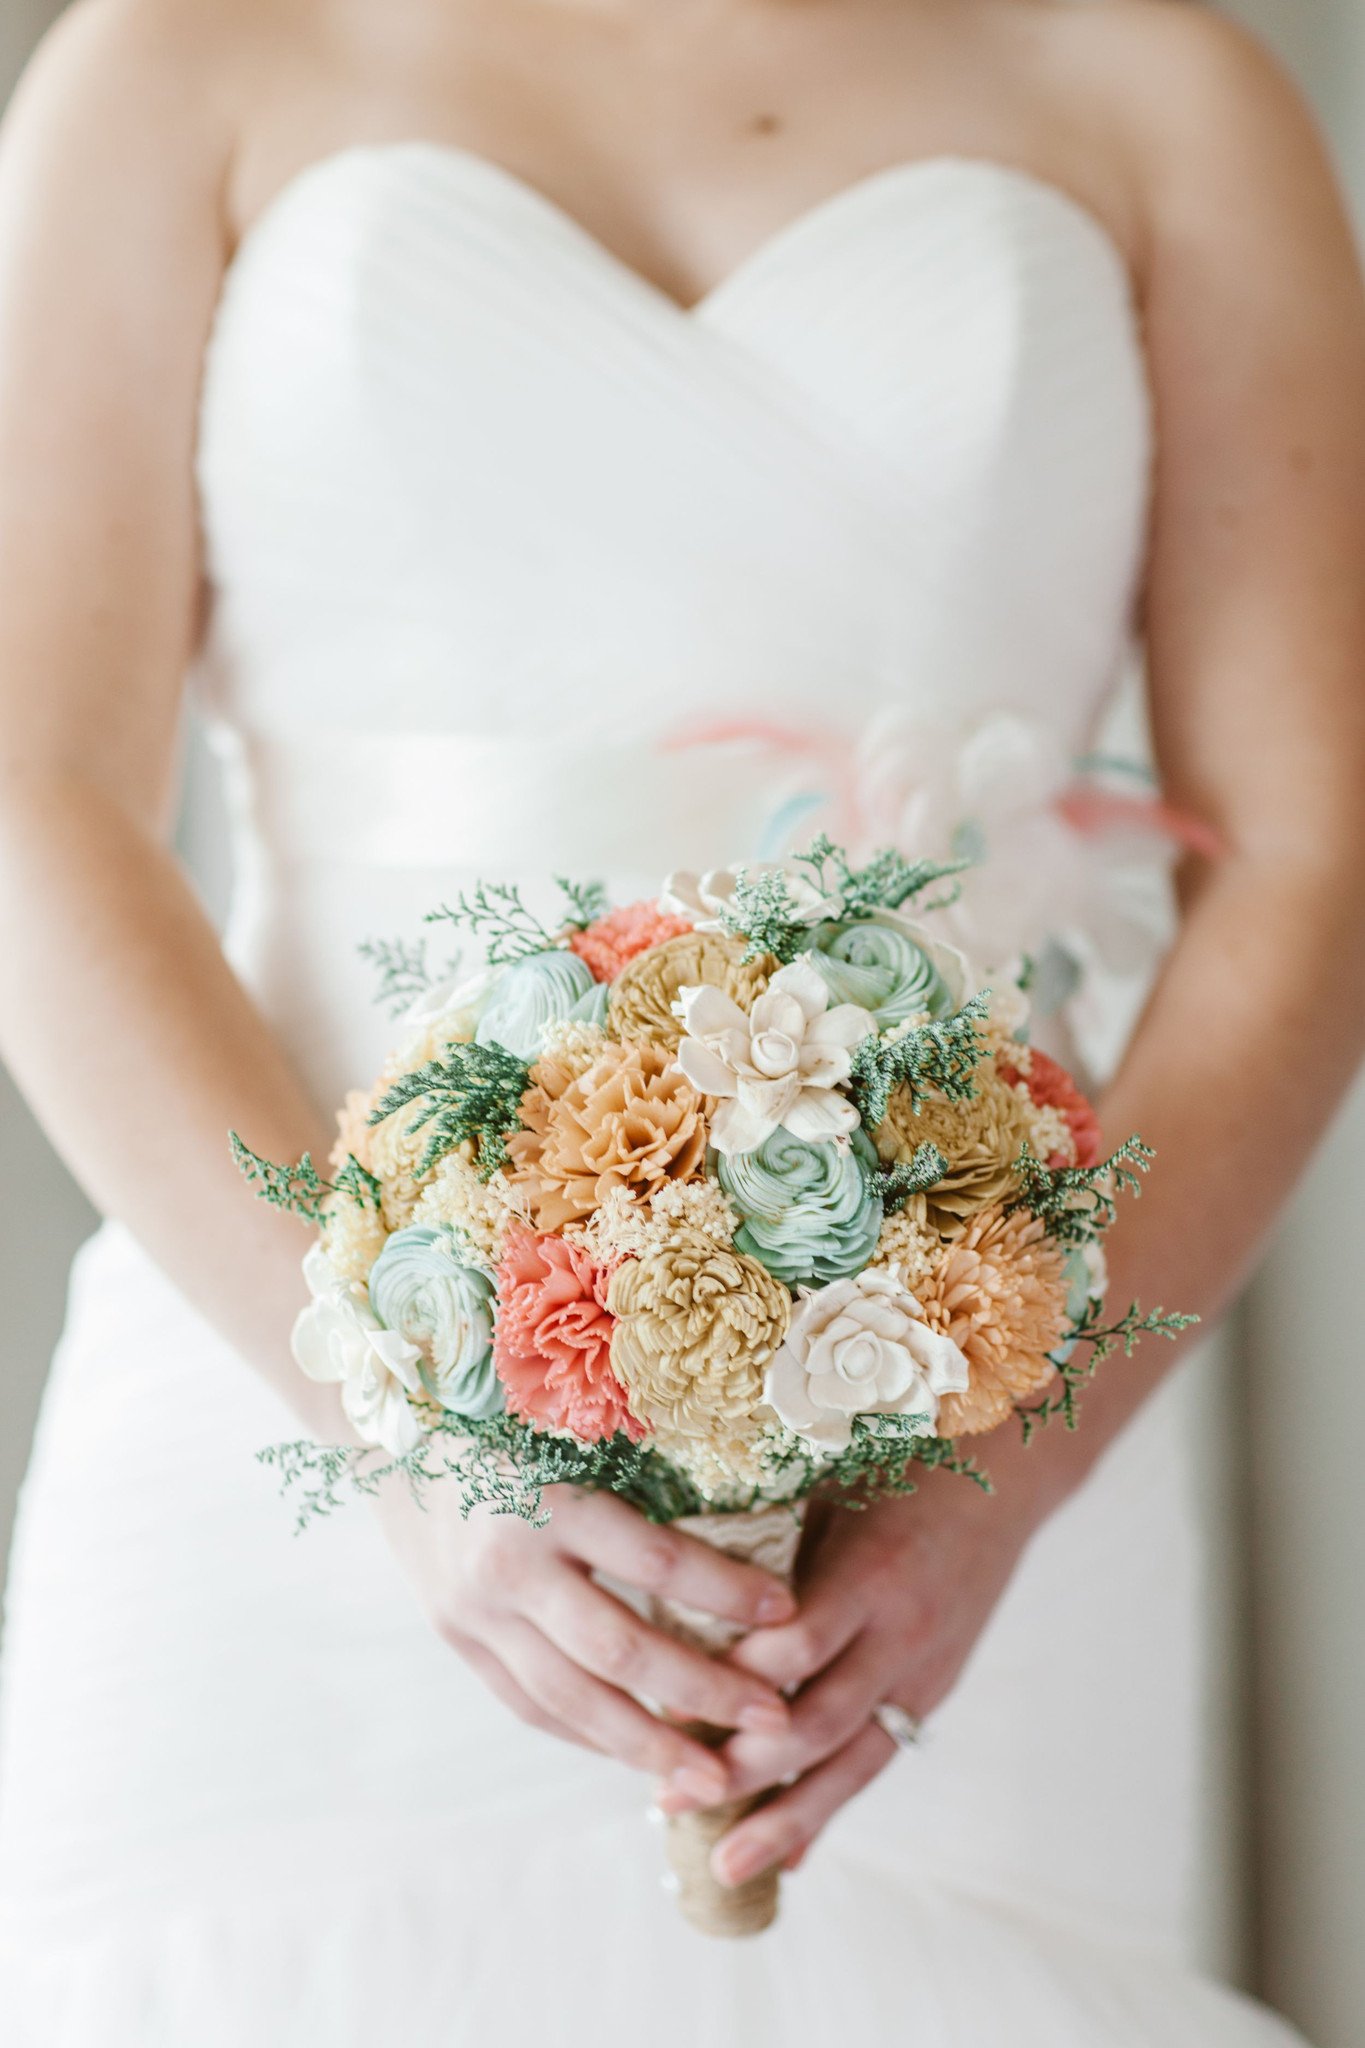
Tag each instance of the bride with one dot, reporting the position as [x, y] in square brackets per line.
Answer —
[455, 398]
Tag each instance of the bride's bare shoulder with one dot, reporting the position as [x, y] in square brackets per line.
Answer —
[130, 94]
[1202, 106]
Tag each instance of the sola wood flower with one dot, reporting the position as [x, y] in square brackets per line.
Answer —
[353, 1235]
[611, 941]
[980, 1138]
[778, 1066]
[706, 898]
[1051, 1087]
[630, 1120]
[391, 1150]
[696, 1325]
[339, 1338]
[860, 1347]
[644, 996]
[552, 1344]
[1000, 1292]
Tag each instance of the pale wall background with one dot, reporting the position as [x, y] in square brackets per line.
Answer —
[1297, 1518]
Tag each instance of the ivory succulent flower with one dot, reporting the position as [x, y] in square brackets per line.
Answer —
[696, 1324]
[339, 1338]
[860, 1346]
[777, 1066]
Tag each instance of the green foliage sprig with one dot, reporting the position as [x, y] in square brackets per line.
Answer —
[887, 882]
[1077, 1204]
[584, 902]
[356, 1181]
[403, 970]
[941, 1055]
[470, 1093]
[298, 1187]
[880, 1462]
[496, 909]
[763, 909]
[763, 912]
[502, 1464]
[505, 1465]
[895, 1185]
[1073, 1373]
[511, 929]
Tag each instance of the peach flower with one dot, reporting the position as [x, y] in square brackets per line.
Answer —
[552, 1340]
[606, 945]
[1051, 1087]
[1000, 1293]
[632, 1119]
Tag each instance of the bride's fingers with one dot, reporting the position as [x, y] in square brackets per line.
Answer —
[782, 1831]
[501, 1683]
[617, 1540]
[604, 1718]
[605, 1637]
[824, 1718]
[790, 1654]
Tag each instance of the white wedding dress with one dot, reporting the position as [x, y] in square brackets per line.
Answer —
[487, 517]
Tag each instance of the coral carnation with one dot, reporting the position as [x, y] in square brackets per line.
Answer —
[1051, 1087]
[606, 945]
[552, 1343]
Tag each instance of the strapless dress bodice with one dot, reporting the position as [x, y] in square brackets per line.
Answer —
[487, 517]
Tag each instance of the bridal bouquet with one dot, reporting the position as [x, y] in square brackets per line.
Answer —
[711, 1200]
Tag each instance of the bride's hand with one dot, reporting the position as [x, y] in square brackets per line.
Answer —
[519, 1604]
[892, 1599]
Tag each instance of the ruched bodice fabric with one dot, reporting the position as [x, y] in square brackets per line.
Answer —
[488, 522]
[485, 514]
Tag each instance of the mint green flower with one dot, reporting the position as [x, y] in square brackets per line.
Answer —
[541, 989]
[422, 1287]
[888, 966]
[808, 1211]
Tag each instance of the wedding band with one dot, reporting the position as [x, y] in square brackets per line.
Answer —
[903, 1727]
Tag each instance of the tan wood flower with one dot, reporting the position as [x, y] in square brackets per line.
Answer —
[980, 1138]
[643, 994]
[697, 1324]
[1000, 1293]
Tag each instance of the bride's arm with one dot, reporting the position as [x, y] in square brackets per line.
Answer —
[1256, 627]
[118, 1013]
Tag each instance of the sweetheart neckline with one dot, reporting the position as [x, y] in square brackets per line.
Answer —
[458, 159]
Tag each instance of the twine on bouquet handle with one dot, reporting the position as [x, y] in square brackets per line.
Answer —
[768, 1537]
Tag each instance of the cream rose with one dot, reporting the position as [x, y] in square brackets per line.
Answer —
[859, 1347]
[339, 1338]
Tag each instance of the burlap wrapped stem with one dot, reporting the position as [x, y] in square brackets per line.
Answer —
[768, 1537]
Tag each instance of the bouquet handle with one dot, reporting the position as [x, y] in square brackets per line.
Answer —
[770, 1537]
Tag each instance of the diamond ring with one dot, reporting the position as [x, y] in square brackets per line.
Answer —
[903, 1727]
